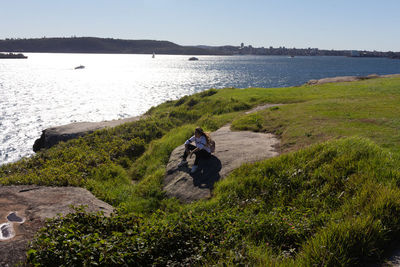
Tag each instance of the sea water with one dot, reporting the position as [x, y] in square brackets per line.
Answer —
[46, 90]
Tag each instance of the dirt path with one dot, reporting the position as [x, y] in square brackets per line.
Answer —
[232, 150]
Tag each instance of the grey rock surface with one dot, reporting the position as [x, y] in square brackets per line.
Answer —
[34, 204]
[232, 150]
[54, 135]
[349, 79]
[394, 259]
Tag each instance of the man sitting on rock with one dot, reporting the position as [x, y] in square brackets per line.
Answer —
[201, 150]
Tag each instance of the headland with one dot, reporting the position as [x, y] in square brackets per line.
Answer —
[12, 56]
[330, 197]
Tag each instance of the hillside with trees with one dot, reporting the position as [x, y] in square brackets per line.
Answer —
[100, 45]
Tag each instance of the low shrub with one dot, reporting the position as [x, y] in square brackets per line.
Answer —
[331, 204]
[354, 242]
[209, 92]
[180, 101]
[192, 102]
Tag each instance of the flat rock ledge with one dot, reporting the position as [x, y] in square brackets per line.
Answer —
[54, 135]
[33, 205]
[232, 150]
[349, 79]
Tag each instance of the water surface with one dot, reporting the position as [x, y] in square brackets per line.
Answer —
[45, 90]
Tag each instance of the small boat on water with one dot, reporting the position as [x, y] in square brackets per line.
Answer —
[193, 58]
[12, 55]
[79, 67]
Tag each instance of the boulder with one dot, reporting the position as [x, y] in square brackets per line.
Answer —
[53, 136]
[24, 209]
[232, 150]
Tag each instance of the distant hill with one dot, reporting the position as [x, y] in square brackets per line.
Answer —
[101, 45]
[119, 46]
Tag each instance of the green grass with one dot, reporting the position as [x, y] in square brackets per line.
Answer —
[367, 109]
[125, 165]
[331, 199]
[332, 204]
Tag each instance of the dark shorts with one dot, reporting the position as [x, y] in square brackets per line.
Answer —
[200, 154]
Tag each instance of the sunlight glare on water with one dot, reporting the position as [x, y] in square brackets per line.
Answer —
[45, 90]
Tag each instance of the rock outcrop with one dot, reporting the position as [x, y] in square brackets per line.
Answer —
[24, 209]
[53, 136]
[232, 150]
[349, 79]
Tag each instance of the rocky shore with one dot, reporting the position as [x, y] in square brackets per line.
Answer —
[54, 135]
[341, 79]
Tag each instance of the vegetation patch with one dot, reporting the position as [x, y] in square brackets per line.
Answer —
[331, 199]
[124, 165]
[332, 203]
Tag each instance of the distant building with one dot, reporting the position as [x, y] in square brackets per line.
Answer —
[355, 53]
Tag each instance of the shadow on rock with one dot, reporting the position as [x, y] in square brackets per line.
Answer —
[207, 173]
[233, 149]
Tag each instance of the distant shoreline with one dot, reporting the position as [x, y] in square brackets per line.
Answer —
[119, 46]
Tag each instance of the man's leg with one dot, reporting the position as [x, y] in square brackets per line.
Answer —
[188, 148]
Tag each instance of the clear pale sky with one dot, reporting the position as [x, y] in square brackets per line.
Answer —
[325, 24]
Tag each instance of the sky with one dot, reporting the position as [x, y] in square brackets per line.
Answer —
[325, 24]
